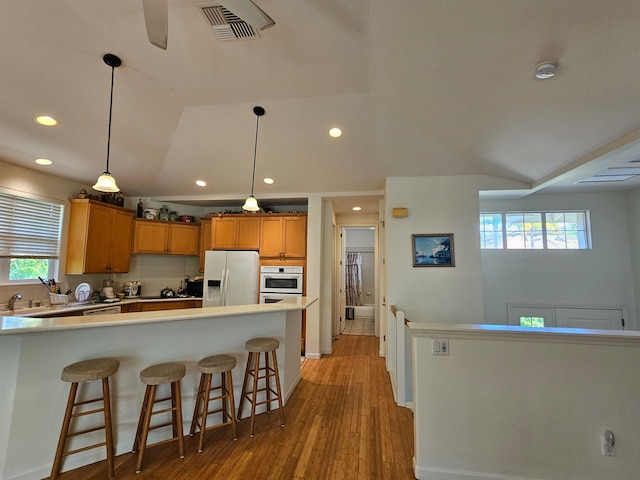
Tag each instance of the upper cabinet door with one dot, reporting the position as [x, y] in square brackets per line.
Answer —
[295, 236]
[223, 233]
[241, 232]
[248, 233]
[284, 237]
[150, 237]
[99, 238]
[183, 239]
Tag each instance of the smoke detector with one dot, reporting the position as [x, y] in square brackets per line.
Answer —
[546, 70]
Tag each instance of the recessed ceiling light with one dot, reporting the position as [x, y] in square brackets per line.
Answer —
[335, 132]
[268, 181]
[357, 209]
[43, 161]
[201, 183]
[46, 120]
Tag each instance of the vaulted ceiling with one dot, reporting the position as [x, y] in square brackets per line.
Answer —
[419, 87]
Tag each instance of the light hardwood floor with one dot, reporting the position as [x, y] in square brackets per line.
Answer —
[341, 423]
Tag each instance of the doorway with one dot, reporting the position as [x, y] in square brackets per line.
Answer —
[358, 282]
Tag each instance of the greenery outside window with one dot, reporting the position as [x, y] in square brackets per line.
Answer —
[535, 230]
[30, 231]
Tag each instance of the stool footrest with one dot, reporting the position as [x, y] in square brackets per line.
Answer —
[83, 449]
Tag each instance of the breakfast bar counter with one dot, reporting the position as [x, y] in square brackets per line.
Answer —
[33, 352]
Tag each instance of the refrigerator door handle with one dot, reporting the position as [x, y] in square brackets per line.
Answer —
[227, 289]
[222, 287]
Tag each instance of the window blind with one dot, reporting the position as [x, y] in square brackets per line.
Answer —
[29, 228]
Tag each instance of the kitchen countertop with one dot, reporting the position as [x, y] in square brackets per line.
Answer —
[11, 325]
[75, 307]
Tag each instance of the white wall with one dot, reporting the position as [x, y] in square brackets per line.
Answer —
[447, 204]
[633, 218]
[519, 406]
[600, 277]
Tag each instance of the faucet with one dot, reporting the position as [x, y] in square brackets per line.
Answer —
[12, 301]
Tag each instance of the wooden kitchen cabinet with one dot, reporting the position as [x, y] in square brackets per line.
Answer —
[235, 232]
[99, 239]
[283, 236]
[205, 240]
[165, 238]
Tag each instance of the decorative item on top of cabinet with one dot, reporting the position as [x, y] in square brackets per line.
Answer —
[283, 236]
[235, 232]
[165, 238]
[99, 239]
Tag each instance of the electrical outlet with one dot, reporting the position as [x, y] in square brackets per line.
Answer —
[609, 450]
[608, 444]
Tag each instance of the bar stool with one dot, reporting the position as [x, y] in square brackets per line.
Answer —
[87, 371]
[222, 364]
[153, 376]
[255, 346]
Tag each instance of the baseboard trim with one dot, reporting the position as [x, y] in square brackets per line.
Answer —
[434, 473]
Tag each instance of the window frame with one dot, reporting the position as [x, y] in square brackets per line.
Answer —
[54, 259]
[543, 230]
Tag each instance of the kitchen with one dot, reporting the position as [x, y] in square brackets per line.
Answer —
[158, 272]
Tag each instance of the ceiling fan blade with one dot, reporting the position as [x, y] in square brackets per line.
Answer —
[249, 12]
[156, 19]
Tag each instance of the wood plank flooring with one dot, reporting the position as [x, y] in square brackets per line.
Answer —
[341, 423]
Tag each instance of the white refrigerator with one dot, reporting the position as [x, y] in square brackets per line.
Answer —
[230, 278]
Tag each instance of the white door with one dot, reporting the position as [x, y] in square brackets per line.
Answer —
[343, 289]
[593, 318]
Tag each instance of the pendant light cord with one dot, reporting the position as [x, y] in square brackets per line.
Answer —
[110, 110]
[255, 152]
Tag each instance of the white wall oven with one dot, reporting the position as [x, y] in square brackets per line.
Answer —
[286, 279]
[280, 283]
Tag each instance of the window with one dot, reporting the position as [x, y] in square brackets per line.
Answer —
[29, 238]
[535, 230]
[537, 322]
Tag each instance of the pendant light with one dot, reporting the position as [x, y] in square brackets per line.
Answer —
[251, 204]
[106, 183]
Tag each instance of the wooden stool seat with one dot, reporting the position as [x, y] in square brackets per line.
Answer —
[83, 372]
[222, 364]
[89, 370]
[153, 376]
[163, 373]
[255, 347]
[262, 344]
[217, 364]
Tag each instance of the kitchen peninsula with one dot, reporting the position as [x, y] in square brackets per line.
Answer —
[33, 352]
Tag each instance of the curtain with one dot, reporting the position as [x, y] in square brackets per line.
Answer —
[353, 283]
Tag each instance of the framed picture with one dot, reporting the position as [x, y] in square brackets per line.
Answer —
[433, 250]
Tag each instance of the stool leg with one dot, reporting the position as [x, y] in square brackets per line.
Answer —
[136, 441]
[256, 372]
[277, 374]
[229, 385]
[267, 380]
[108, 428]
[206, 393]
[176, 399]
[196, 408]
[145, 419]
[55, 470]
[244, 384]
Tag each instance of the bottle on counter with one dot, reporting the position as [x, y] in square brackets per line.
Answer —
[173, 216]
[140, 208]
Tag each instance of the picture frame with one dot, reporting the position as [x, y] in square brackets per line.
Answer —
[433, 250]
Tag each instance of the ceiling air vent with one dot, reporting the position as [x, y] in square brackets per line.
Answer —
[225, 24]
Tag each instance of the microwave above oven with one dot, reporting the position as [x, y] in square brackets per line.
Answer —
[286, 279]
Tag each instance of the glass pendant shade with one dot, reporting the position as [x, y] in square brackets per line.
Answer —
[106, 183]
[251, 204]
